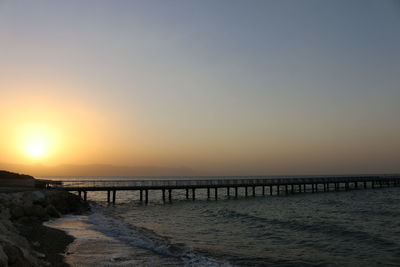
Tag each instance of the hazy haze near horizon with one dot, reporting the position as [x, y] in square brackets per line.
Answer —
[213, 87]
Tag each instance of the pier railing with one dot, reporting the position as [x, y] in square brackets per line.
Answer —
[183, 183]
[289, 185]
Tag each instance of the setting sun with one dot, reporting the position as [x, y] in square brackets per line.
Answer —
[37, 141]
[36, 148]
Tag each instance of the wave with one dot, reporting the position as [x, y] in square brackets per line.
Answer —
[148, 239]
[320, 227]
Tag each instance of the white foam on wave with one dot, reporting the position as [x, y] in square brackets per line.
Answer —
[147, 239]
[93, 248]
[103, 240]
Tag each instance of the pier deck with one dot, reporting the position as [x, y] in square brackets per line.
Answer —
[269, 185]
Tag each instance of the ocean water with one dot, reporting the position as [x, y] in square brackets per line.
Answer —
[353, 228]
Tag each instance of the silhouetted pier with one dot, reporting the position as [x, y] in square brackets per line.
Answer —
[218, 185]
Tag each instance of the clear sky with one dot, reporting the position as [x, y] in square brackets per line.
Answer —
[201, 87]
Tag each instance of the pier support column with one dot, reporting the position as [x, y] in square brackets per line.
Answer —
[193, 193]
[85, 196]
[108, 196]
[228, 193]
[286, 189]
[346, 185]
[312, 188]
[277, 190]
[292, 188]
[236, 192]
[216, 193]
[141, 195]
[208, 193]
[187, 193]
[246, 193]
[80, 194]
[356, 185]
[263, 190]
[114, 196]
[365, 184]
[170, 195]
[254, 191]
[146, 194]
[270, 190]
[163, 195]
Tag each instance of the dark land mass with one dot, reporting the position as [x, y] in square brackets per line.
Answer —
[6, 175]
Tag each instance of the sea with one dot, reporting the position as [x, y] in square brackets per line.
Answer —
[346, 228]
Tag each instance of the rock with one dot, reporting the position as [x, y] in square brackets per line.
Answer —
[39, 212]
[52, 211]
[28, 210]
[3, 257]
[27, 198]
[38, 197]
[21, 209]
[66, 202]
[17, 212]
[15, 256]
[4, 213]
[40, 255]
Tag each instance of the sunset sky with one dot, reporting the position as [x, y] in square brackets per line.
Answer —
[214, 87]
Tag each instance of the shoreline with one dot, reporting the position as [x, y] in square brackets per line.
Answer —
[96, 244]
[24, 239]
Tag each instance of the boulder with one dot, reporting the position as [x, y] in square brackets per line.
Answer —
[66, 202]
[15, 255]
[27, 198]
[17, 212]
[28, 210]
[39, 212]
[38, 197]
[52, 211]
[4, 213]
[3, 257]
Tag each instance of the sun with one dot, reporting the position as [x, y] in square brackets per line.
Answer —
[36, 148]
[37, 142]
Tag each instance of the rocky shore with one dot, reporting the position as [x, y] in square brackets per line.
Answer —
[24, 241]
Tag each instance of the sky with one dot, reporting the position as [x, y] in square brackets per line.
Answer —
[213, 87]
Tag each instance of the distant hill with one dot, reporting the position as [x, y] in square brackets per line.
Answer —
[6, 175]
